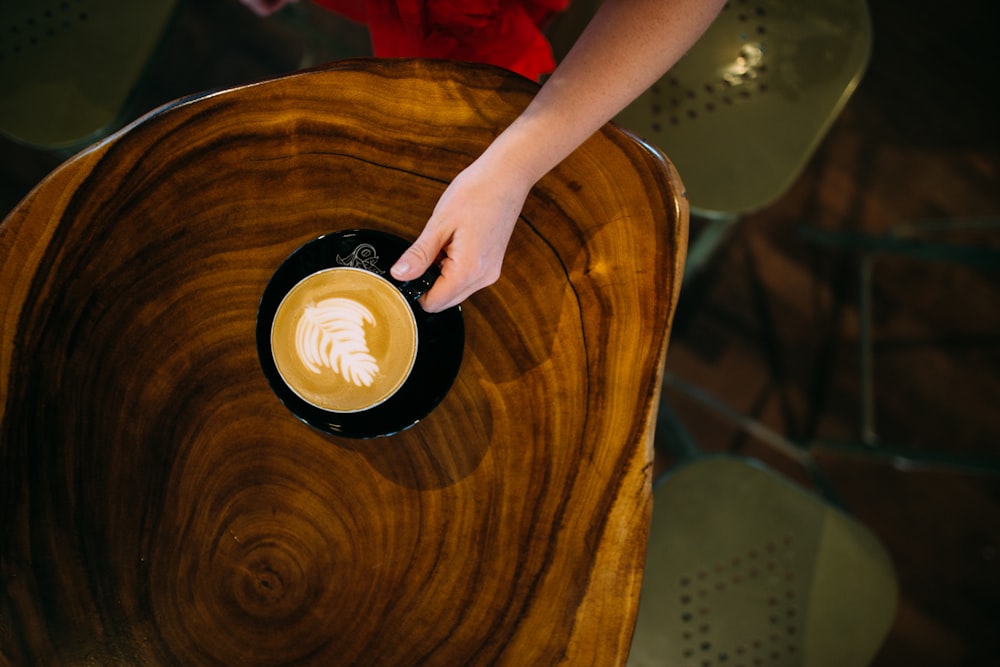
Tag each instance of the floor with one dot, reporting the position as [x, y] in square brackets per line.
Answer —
[772, 327]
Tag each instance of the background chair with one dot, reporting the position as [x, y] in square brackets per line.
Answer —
[158, 504]
[928, 241]
[742, 112]
[745, 568]
[68, 69]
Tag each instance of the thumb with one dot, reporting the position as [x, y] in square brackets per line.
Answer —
[416, 259]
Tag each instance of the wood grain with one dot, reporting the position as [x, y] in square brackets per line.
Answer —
[160, 506]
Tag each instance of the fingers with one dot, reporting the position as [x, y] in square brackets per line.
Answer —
[440, 298]
[446, 292]
[416, 259]
[460, 276]
[454, 286]
[265, 7]
[469, 260]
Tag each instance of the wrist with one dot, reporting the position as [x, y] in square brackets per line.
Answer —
[510, 164]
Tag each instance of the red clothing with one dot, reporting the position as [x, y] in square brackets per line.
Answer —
[506, 33]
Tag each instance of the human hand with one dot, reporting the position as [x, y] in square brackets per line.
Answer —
[265, 7]
[468, 232]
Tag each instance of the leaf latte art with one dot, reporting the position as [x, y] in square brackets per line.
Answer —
[344, 339]
[331, 335]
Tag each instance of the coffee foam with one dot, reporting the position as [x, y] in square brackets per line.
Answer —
[344, 339]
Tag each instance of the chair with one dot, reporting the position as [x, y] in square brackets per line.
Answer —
[67, 69]
[747, 568]
[325, 36]
[159, 505]
[919, 240]
[744, 568]
[742, 112]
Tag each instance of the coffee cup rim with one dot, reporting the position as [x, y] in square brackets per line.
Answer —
[407, 307]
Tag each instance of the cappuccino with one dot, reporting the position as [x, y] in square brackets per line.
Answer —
[344, 339]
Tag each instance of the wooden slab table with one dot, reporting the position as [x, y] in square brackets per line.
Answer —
[158, 505]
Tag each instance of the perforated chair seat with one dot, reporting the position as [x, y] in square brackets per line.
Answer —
[67, 68]
[742, 112]
[744, 569]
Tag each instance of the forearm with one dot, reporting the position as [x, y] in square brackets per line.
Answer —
[627, 46]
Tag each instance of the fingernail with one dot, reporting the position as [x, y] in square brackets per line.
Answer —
[400, 268]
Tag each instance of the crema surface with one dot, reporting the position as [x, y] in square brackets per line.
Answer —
[344, 339]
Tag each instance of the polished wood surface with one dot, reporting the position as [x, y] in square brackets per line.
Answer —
[159, 505]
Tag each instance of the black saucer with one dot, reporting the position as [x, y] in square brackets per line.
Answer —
[439, 354]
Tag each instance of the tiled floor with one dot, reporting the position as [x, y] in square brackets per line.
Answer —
[772, 328]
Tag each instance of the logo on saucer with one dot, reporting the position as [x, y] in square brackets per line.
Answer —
[364, 257]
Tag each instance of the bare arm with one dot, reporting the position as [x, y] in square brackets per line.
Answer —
[626, 47]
